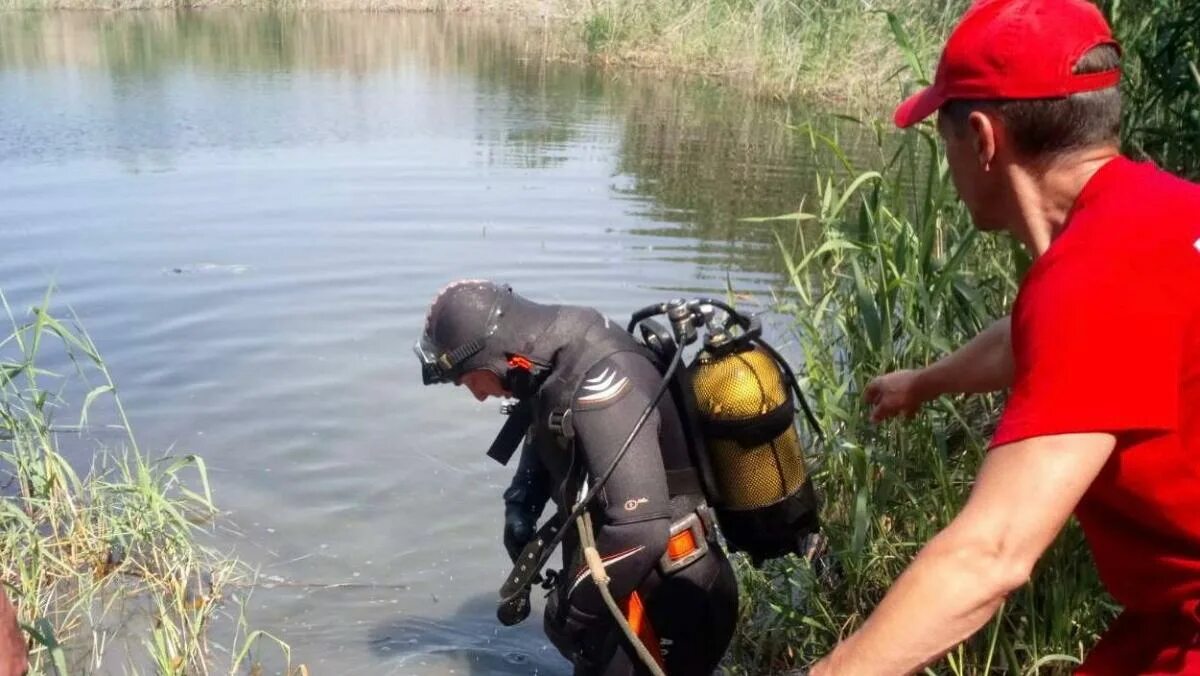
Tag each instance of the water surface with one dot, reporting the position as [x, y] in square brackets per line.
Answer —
[250, 212]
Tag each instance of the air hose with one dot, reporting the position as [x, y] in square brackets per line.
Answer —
[587, 541]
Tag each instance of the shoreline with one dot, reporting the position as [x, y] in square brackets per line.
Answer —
[846, 58]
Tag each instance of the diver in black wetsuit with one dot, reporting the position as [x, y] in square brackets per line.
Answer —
[586, 382]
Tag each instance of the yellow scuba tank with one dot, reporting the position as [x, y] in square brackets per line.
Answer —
[738, 399]
[755, 463]
[746, 415]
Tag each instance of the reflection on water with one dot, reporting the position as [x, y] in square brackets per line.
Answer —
[706, 155]
[250, 210]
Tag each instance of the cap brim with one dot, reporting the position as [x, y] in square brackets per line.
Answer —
[918, 107]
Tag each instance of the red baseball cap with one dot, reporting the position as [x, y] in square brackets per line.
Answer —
[1015, 49]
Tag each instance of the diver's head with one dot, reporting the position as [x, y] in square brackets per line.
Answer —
[483, 335]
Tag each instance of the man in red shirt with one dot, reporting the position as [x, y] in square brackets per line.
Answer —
[1102, 353]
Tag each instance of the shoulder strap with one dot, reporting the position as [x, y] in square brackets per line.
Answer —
[559, 397]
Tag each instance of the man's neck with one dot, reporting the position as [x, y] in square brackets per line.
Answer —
[1044, 194]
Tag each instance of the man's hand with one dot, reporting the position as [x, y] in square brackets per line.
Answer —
[13, 655]
[894, 394]
[985, 364]
[524, 500]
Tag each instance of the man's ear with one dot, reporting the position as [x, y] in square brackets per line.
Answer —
[984, 132]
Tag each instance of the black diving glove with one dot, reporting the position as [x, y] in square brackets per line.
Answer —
[524, 501]
[520, 521]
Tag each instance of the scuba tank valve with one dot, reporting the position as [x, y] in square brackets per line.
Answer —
[683, 321]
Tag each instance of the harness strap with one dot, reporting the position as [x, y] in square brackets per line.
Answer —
[511, 434]
[753, 431]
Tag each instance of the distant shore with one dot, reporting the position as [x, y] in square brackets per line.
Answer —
[834, 51]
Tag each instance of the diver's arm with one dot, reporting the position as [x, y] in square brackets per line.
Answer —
[632, 534]
[985, 364]
[524, 500]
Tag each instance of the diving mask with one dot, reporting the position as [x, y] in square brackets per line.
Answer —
[442, 366]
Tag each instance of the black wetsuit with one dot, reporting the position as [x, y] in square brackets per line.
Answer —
[606, 379]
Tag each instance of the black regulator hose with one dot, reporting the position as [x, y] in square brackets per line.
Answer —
[522, 576]
[644, 314]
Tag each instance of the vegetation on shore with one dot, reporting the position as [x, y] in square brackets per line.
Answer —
[837, 50]
[103, 565]
[887, 272]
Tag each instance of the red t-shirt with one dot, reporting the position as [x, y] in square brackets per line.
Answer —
[1106, 338]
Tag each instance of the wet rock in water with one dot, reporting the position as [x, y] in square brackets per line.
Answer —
[199, 588]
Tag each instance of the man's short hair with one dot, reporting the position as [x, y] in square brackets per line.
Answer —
[1043, 128]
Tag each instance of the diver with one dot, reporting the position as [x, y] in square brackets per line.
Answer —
[581, 383]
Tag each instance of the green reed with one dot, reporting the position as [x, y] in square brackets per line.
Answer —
[1161, 40]
[105, 561]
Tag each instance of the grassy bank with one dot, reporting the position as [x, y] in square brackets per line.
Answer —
[837, 50]
[886, 272]
[104, 565]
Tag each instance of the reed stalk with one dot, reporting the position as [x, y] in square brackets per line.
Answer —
[100, 544]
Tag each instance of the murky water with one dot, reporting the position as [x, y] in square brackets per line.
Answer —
[250, 211]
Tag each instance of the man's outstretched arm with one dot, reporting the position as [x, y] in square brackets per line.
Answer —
[1024, 494]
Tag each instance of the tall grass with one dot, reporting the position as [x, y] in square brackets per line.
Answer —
[1162, 74]
[104, 565]
[835, 49]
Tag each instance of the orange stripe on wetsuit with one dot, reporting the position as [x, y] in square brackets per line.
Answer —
[635, 612]
[680, 545]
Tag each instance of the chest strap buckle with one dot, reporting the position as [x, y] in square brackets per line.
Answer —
[559, 422]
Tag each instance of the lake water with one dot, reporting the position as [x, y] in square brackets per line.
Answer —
[249, 212]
